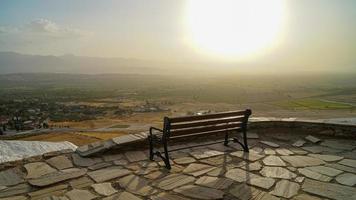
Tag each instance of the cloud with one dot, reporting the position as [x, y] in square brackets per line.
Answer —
[49, 28]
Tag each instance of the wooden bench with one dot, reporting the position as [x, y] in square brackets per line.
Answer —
[225, 123]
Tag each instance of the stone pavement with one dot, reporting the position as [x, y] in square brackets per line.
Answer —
[297, 167]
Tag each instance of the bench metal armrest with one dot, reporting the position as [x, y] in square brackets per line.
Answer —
[156, 129]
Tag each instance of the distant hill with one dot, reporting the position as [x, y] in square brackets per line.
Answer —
[11, 62]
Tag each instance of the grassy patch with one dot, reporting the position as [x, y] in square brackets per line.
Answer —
[315, 104]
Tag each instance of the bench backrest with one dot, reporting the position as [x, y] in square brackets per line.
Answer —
[176, 127]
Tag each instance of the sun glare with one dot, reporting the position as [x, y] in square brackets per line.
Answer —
[234, 28]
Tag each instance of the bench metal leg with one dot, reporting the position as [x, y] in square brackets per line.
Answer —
[166, 156]
[150, 139]
[245, 142]
[226, 142]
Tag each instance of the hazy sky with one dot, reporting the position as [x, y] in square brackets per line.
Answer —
[315, 34]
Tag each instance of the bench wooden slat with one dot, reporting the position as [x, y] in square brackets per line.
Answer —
[204, 129]
[208, 116]
[205, 123]
[208, 133]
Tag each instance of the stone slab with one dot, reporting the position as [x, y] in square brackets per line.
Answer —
[198, 169]
[327, 158]
[247, 156]
[104, 189]
[273, 161]
[136, 185]
[214, 182]
[299, 143]
[348, 162]
[239, 175]
[12, 176]
[277, 172]
[109, 173]
[134, 156]
[77, 194]
[286, 189]
[245, 192]
[314, 175]
[346, 179]
[60, 162]
[329, 190]
[57, 190]
[261, 182]
[15, 190]
[271, 144]
[302, 161]
[206, 154]
[57, 177]
[38, 169]
[328, 171]
[312, 139]
[173, 181]
[199, 192]
[284, 152]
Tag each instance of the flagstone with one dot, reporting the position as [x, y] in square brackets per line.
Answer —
[155, 175]
[84, 162]
[255, 166]
[173, 181]
[302, 161]
[321, 149]
[60, 162]
[206, 154]
[312, 139]
[198, 169]
[247, 156]
[277, 172]
[15, 198]
[104, 189]
[239, 175]
[271, 144]
[245, 192]
[299, 179]
[99, 166]
[15, 190]
[37, 169]
[12, 176]
[136, 185]
[109, 173]
[305, 197]
[273, 161]
[284, 151]
[81, 182]
[346, 179]
[121, 162]
[286, 189]
[57, 177]
[299, 143]
[217, 160]
[329, 190]
[184, 160]
[122, 196]
[325, 170]
[112, 157]
[217, 172]
[200, 192]
[167, 196]
[57, 190]
[77, 194]
[298, 151]
[327, 158]
[348, 162]
[335, 144]
[314, 175]
[262, 182]
[269, 151]
[134, 156]
[342, 167]
[214, 182]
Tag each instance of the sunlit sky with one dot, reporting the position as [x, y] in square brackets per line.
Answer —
[299, 33]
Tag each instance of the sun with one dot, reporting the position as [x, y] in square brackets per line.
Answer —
[234, 28]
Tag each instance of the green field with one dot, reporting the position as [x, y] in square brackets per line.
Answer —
[315, 104]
